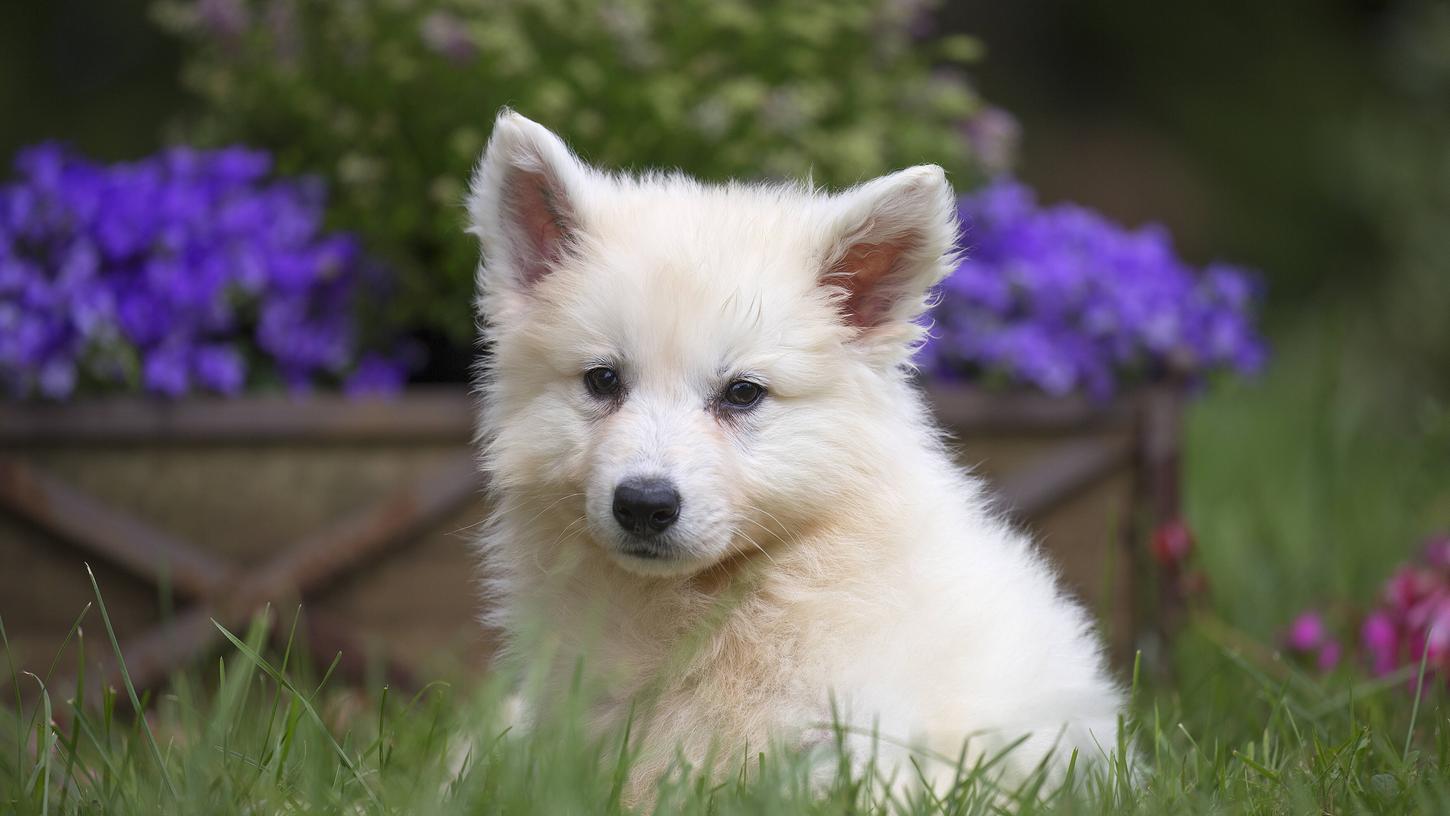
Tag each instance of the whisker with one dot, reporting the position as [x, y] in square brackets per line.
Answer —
[486, 519]
[551, 506]
[755, 543]
[763, 527]
[783, 529]
[580, 523]
[785, 536]
[567, 529]
[465, 528]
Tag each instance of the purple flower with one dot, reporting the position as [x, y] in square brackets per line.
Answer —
[1064, 301]
[376, 375]
[193, 264]
[238, 165]
[445, 34]
[993, 134]
[166, 371]
[225, 19]
[219, 369]
[57, 378]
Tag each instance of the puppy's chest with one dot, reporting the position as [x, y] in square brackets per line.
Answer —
[742, 677]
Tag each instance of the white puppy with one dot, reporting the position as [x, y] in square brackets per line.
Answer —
[716, 485]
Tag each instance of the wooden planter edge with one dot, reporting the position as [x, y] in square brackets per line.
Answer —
[444, 413]
[1151, 416]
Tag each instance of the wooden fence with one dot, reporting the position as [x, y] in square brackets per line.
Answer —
[363, 511]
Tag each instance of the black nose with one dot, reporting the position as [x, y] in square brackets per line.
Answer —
[646, 506]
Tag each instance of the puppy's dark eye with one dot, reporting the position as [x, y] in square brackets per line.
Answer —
[603, 381]
[742, 394]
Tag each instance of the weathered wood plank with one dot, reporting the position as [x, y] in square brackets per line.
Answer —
[1073, 467]
[306, 566]
[442, 414]
[423, 414]
[117, 536]
[969, 411]
[298, 572]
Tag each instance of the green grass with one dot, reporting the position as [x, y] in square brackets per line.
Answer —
[1312, 483]
[1301, 489]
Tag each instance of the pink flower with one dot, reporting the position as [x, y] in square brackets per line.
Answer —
[1409, 586]
[1432, 637]
[1422, 615]
[1381, 642]
[1306, 633]
[1436, 552]
[1172, 543]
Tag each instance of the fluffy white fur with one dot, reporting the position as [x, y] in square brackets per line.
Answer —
[828, 551]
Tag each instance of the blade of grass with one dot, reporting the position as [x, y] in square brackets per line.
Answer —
[45, 746]
[285, 682]
[130, 687]
[1261, 769]
[286, 658]
[44, 683]
[70, 633]
[271, 751]
[19, 705]
[1419, 692]
[621, 768]
[382, 730]
[55, 661]
[77, 705]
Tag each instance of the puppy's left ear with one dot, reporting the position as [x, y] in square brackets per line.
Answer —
[891, 240]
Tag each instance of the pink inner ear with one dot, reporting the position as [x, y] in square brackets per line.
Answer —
[866, 272]
[536, 211]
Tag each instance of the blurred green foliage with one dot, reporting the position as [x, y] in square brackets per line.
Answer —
[392, 100]
[107, 105]
[1398, 170]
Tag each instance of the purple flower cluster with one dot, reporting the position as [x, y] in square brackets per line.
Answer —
[186, 271]
[1062, 300]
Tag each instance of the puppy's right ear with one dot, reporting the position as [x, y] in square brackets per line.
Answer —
[523, 204]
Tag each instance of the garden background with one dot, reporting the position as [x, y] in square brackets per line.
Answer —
[1307, 143]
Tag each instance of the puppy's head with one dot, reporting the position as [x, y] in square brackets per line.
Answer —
[705, 370]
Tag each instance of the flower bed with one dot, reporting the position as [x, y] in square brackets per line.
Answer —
[197, 278]
[1061, 300]
[190, 271]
